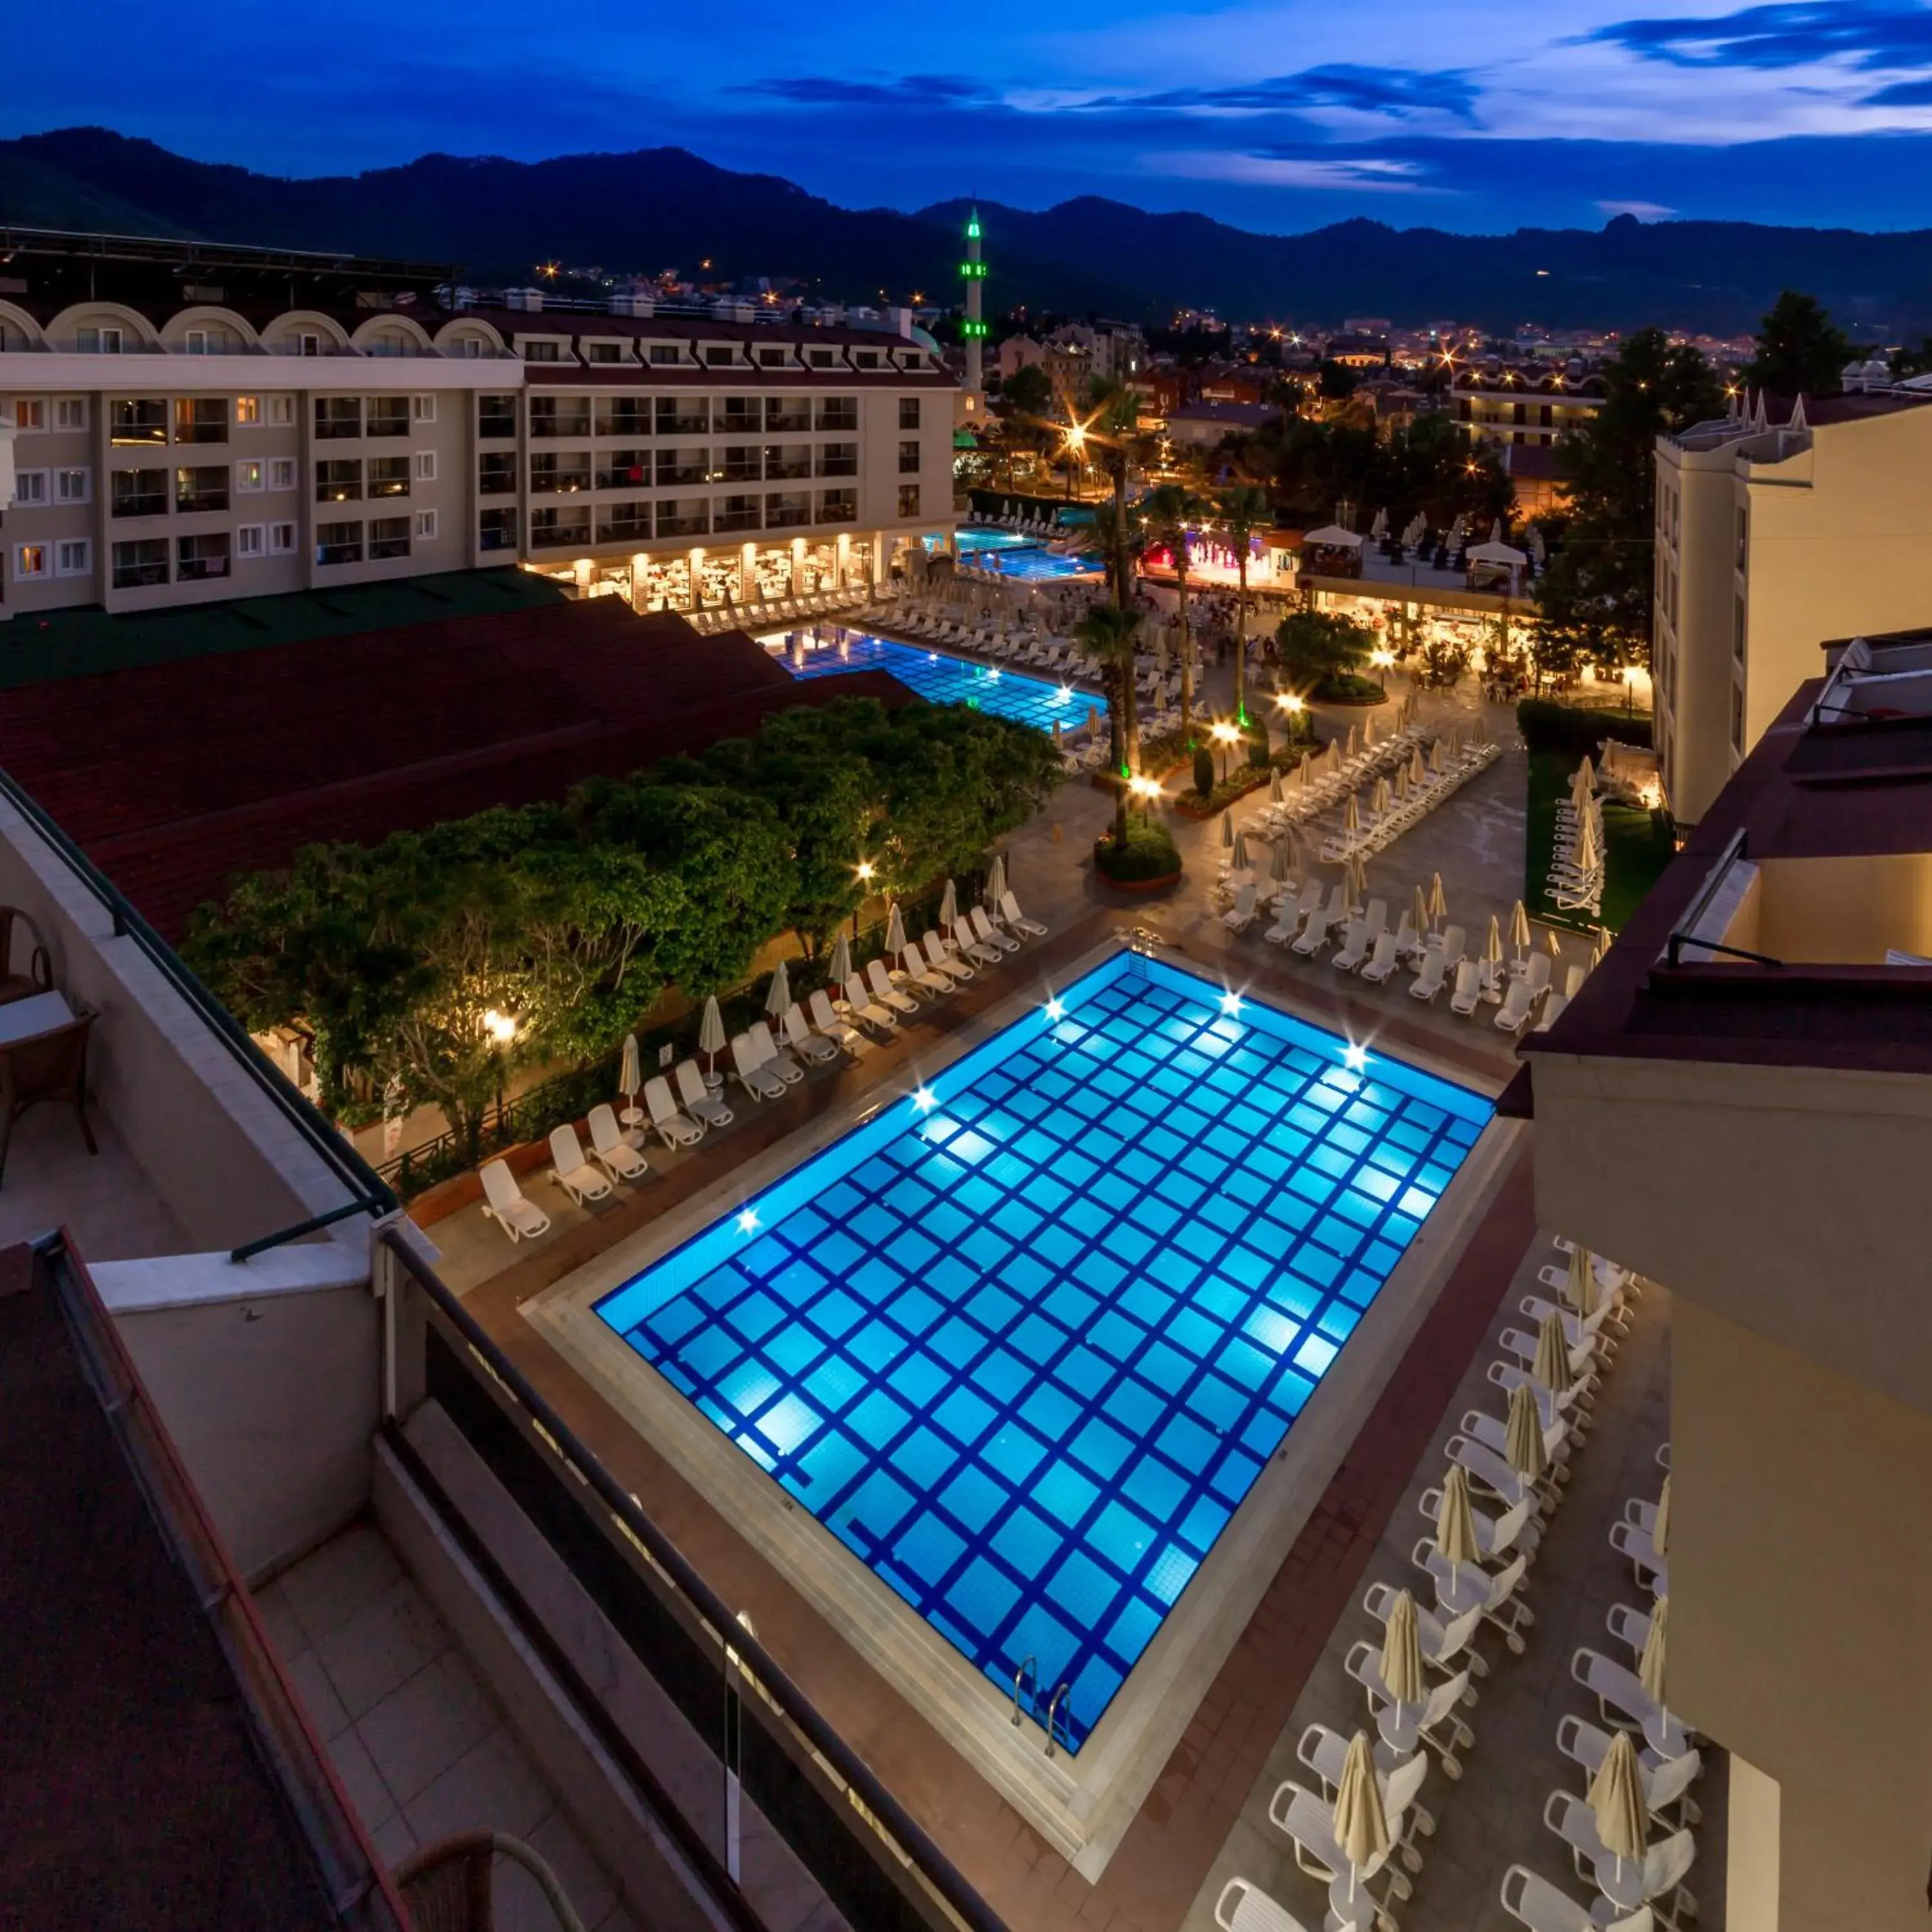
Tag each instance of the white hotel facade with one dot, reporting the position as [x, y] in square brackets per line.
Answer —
[161, 453]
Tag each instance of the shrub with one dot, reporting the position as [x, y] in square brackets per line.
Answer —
[1258, 751]
[1203, 770]
[1344, 688]
[1149, 853]
[1576, 732]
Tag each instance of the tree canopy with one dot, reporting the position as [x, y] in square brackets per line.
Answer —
[1800, 351]
[1318, 647]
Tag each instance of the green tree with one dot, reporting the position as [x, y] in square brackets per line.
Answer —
[1594, 598]
[1113, 431]
[1242, 512]
[1799, 351]
[1318, 648]
[1109, 631]
[1027, 391]
[1171, 511]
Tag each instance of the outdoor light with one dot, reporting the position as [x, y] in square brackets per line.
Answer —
[1055, 1010]
[748, 1221]
[866, 869]
[1290, 702]
[1231, 1002]
[1226, 732]
[925, 1100]
[1382, 659]
[1355, 1058]
[501, 1027]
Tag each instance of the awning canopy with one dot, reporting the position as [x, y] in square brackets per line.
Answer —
[1332, 536]
[1496, 553]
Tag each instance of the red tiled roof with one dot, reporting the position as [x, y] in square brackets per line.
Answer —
[175, 777]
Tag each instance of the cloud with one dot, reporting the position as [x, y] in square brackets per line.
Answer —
[1644, 210]
[915, 90]
[1790, 34]
[1297, 168]
[1900, 93]
[1400, 91]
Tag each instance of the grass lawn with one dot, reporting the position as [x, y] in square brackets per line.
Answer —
[1637, 847]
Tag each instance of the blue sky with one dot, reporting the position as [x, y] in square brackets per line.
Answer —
[1276, 114]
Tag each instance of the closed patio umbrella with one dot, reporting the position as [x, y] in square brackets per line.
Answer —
[1580, 1283]
[630, 1078]
[1479, 732]
[1304, 773]
[1455, 741]
[1554, 944]
[1589, 854]
[1227, 832]
[1583, 784]
[1368, 730]
[1356, 873]
[1402, 1653]
[1519, 935]
[778, 998]
[1237, 854]
[1552, 1366]
[1493, 945]
[1455, 1525]
[1417, 770]
[996, 879]
[895, 934]
[1523, 1439]
[949, 906]
[841, 968]
[1435, 758]
[1650, 1666]
[1616, 1802]
[1420, 913]
[1278, 860]
[1354, 745]
[1438, 900]
[1602, 946]
[1274, 786]
[1352, 814]
[1378, 799]
[1361, 1823]
[1401, 783]
[1660, 1535]
[711, 1037]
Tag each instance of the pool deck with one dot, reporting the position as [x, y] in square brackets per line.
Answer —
[1199, 1792]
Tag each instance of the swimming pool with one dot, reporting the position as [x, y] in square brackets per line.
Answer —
[833, 649]
[1024, 1341]
[1014, 553]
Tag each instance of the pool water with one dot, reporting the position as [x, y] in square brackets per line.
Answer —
[832, 649]
[1014, 553]
[1024, 1341]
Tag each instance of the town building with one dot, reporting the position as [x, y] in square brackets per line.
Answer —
[1531, 407]
[1777, 527]
[179, 424]
[1203, 424]
[1737, 1105]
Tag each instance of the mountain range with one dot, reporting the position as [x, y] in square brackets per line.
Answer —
[659, 208]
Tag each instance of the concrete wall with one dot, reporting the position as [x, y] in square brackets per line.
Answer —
[1801, 1560]
[1844, 911]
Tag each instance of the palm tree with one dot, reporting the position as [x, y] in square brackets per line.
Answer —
[1109, 631]
[1170, 510]
[1113, 428]
[1242, 511]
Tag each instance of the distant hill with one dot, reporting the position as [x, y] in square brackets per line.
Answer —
[663, 207]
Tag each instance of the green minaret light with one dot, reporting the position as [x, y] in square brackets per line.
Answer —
[973, 331]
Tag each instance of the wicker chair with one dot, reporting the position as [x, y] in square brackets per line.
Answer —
[49, 1066]
[447, 1886]
[39, 976]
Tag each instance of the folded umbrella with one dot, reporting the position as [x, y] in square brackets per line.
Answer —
[1580, 1283]
[711, 1033]
[1438, 900]
[1455, 1525]
[1237, 854]
[1402, 1653]
[1552, 1366]
[1518, 932]
[996, 879]
[778, 997]
[1227, 832]
[630, 1078]
[1523, 1439]
[949, 907]
[841, 960]
[1616, 1802]
[1659, 1534]
[1650, 1666]
[1361, 1821]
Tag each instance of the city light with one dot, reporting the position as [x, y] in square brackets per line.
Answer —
[1382, 660]
[1225, 733]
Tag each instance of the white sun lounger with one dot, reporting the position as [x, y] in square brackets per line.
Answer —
[1516, 1528]
[619, 1159]
[1534, 1902]
[760, 1081]
[860, 1004]
[1243, 1907]
[814, 1046]
[1438, 964]
[1519, 1001]
[1405, 1727]
[962, 940]
[881, 981]
[700, 1102]
[944, 958]
[571, 1171]
[1354, 950]
[674, 1128]
[983, 929]
[1468, 993]
[503, 1202]
[1017, 921]
[915, 972]
[1314, 934]
[831, 1027]
[772, 1056]
[1240, 915]
[1383, 960]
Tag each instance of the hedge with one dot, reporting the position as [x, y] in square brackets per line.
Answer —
[1574, 730]
[1150, 854]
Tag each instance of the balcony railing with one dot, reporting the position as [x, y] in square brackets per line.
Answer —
[624, 476]
[787, 516]
[337, 429]
[141, 503]
[348, 551]
[685, 422]
[696, 523]
[626, 529]
[780, 416]
[556, 536]
[139, 576]
[559, 482]
[200, 569]
[496, 423]
[787, 468]
[200, 499]
[735, 520]
[489, 538]
[619, 422]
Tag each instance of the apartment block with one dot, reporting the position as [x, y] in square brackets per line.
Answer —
[1773, 535]
[185, 439]
[1524, 408]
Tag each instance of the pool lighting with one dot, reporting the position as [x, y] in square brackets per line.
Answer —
[1064, 695]
[1231, 1002]
[1055, 1010]
[1356, 1058]
[748, 1222]
[925, 1100]
[995, 676]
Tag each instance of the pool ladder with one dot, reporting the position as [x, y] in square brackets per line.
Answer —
[1029, 1665]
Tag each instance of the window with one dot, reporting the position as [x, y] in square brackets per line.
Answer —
[838, 459]
[740, 415]
[552, 527]
[70, 412]
[719, 356]
[559, 416]
[281, 472]
[282, 409]
[683, 517]
[736, 513]
[496, 416]
[496, 473]
[388, 415]
[604, 351]
[908, 413]
[248, 475]
[909, 458]
[97, 341]
[564, 474]
[683, 415]
[539, 351]
[793, 413]
[138, 419]
[197, 341]
[201, 419]
[742, 463]
[425, 466]
[837, 506]
[838, 412]
[663, 352]
[676, 466]
[1738, 629]
[34, 559]
[626, 416]
[1738, 719]
[388, 537]
[426, 525]
[247, 411]
[1743, 537]
[771, 358]
[338, 543]
[281, 540]
[786, 461]
[138, 565]
[30, 489]
[337, 418]
[388, 476]
[202, 489]
[786, 509]
[908, 499]
[496, 529]
[866, 358]
[140, 492]
[339, 480]
[30, 413]
[308, 343]
[73, 557]
[820, 358]
[422, 409]
[74, 486]
[250, 540]
[623, 522]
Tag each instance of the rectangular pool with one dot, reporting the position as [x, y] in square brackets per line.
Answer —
[1024, 1340]
[831, 650]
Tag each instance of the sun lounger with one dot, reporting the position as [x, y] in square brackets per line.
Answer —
[1519, 1001]
[1383, 960]
[814, 1046]
[860, 1004]
[1241, 914]
[975, 949]
[1314, 934]
[1438, 964]
[1242, 1907]
[761, 1082]
[1017, 921]
[988, 933]
[830, 1027]
[503, 1202]
[1468, 993]
[618, 1158]
[880, 982]
[943, 958]
[773, 1056]
[570, 1170]
[1354, 947]
[702, 1105]
[674, 1127]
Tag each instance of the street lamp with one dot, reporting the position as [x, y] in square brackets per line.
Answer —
[502, 1028]
[863, 871]
[1146, 789]
[1224, 735]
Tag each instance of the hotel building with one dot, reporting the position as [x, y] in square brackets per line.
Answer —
[179, 424]
[1737, 1105]
[1772, 536]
